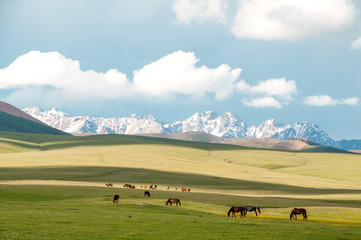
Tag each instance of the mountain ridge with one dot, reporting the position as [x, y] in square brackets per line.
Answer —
[227, 125]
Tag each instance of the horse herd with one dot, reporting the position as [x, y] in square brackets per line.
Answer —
[244, 209]
[233, 210]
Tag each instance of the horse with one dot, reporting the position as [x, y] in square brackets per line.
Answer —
[189, 190]
[115, 198]
[128, 185]
[296, 211]
[173, 200]
[251, 209]
[153, 186]
[233, 210]
[167, 187]
[146, 193]
[109, 185]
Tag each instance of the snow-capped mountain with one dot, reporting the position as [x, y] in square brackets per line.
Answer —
[227, 125]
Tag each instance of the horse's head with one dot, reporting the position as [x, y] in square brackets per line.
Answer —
[259, 210]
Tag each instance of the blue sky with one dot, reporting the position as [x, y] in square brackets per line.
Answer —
[282, 59]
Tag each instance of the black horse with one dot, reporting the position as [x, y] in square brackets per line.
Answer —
[115, 198]
[296, 211]
[251, 209]
[146, 193]
[233, 210]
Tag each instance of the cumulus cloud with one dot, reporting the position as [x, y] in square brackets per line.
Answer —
[200, 11]
[53, 70]
[292, 20]
[265, 102]
[53, 76]
[356, 44]
[177, 73]
[270, 93]
[325, 100]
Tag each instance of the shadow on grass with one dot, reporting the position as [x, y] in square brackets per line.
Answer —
[135, 175]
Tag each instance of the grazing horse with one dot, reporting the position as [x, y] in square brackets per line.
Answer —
[109, 185]
[189, 190]
[251, 209]
[296, 211]
[233, 210]
[173, 200]
[115, 198]
[153, 186]
[146, 193]
[128, 185]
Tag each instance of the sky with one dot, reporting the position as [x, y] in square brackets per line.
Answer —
[287, 60]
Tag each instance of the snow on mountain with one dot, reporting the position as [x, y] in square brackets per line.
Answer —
[227, 125]
[267, 129]
[97, 125]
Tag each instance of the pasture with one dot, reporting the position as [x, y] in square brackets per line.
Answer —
[53, 187]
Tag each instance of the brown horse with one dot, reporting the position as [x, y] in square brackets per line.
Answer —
[173, 200]
[298, 211]
[115, 198]
[233, 210]
[109, 185]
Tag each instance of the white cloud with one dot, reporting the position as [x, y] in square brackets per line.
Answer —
[276, 87]
[265, 102]
[269, 93]
[55, 71]
[292, 20]
[325, 100]
[356, 44]
[177, 73]
[200, 11]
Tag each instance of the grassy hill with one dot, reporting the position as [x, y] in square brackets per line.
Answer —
[55, 183]
[18, 124]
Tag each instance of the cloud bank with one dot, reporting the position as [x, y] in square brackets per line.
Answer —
[55, 75]
[37, 77]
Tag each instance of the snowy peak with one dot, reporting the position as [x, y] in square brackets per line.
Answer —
[227, 125]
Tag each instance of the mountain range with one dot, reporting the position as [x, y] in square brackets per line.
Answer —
[226, 125]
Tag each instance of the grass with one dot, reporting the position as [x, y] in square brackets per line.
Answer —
[53, 188]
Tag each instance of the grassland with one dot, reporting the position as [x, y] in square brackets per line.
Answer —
[53, 188]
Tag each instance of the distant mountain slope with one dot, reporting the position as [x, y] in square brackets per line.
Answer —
[10, 109]
[12, 123]
[227, 126]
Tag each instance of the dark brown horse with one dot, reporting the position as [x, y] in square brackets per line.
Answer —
[115, 198]
[109, 185]
[173, 200]
[128, 185]
[298, 211]
[233, 210]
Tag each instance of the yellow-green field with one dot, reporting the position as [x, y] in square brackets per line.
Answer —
[328, 185]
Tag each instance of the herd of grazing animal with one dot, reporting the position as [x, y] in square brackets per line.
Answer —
[242, 210]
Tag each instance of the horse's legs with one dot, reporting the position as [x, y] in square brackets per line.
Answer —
[256, 213]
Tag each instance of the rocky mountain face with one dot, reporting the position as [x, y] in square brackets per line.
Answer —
[227, 125]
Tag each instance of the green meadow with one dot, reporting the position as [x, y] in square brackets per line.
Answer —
[53, 187]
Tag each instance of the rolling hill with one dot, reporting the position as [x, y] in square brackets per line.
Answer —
[15, 120]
